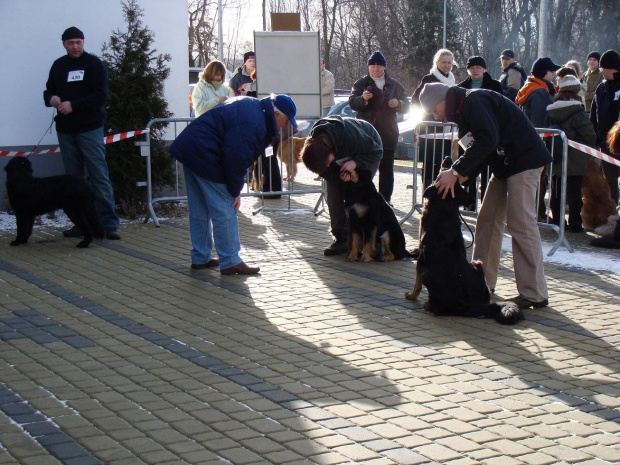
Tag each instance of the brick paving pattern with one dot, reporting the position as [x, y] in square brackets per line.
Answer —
[120, 354]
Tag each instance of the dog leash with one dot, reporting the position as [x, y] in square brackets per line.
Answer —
[49, 129]
[470, 231]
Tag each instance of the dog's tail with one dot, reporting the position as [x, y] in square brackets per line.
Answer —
[506, 313]
[605, 243]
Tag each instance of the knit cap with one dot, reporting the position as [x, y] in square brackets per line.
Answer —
[432, 94]
[570, 84]
[610, 60]
[476, 61]
[72, 33]
[377, 58]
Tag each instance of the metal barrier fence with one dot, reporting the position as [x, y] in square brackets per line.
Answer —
[434, 141]
[291, 187]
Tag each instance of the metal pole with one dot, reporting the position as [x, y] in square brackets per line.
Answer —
[445, 9]
[220, 32]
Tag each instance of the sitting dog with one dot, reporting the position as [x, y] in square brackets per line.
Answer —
[285, 155]
[30, 196]
[374, 232]
[599, 210]
[455, 286]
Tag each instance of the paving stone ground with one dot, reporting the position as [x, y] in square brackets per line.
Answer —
[120, 354]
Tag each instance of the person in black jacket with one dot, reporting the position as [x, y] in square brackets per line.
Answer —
[496, 132]
[478, 76]
[377, 98]
[513, 75]
[480, 79]
[78, 88]
[605, 111]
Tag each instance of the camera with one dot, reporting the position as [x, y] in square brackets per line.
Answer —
[368, 89]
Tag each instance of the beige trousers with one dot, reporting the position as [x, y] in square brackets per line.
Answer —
[511, 203]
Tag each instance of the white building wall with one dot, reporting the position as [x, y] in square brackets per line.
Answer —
[30, 32]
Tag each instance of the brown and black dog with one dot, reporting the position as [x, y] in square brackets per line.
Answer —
[284, 152]
[30, 196]
[374, 231]
[599, 210]
[455, 286]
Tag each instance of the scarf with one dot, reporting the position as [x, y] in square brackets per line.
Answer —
[449, 79]
[532, 84]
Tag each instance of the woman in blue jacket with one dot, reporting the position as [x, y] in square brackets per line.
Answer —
[216, 150]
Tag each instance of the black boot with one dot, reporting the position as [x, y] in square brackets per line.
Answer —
[338, 247]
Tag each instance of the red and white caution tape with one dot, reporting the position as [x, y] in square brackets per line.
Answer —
[106, 140]
[589, 150]
[594, 153]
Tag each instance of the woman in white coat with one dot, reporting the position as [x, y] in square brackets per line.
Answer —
[211, 89]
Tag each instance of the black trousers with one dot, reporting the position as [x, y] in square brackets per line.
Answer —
[573, 200]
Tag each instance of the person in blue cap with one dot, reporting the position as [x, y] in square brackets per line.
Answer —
[216, 149]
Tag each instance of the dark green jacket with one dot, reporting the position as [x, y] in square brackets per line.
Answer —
[571, 117]
[352, 139]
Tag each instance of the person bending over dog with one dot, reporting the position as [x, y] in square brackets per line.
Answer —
[334, 148]
[496, 132]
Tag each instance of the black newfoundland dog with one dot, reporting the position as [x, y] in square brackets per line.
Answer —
[455, 286]
[30, 196]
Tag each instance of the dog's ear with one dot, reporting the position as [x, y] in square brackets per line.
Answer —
[446, 164]
[431, 192]
[462, 197]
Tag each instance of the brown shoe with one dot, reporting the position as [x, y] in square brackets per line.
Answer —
[241, 268]
[210, 264]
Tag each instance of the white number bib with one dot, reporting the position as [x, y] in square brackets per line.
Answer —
[77, 75]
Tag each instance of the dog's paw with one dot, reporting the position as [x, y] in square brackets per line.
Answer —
[15, 243]
[351, 258]
[412, 295]
[83, 244]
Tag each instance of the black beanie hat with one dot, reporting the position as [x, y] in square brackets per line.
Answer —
[594, 55]
[377, 58]
[72, 33]
[610, 60]
[248, 55]
[476, 61]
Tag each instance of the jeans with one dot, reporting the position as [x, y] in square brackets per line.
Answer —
[211, 219]
[83, 153]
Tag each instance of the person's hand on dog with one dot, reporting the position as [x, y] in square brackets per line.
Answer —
[345, 170]
[237, 203]
[446, 180]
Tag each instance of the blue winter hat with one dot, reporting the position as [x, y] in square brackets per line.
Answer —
[286, 105]
[377, 58]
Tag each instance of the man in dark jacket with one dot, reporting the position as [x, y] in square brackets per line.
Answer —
[513, 75]
[496, 132]
[335, 147]
[605, 111]
[377, 98]
[78, 88]
[216, 150]
[243, 74]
